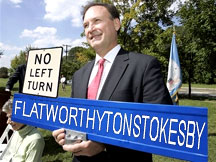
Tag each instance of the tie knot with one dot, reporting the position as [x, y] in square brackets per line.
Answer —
[101, 61]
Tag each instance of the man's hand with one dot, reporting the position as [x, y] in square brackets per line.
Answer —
[59, 136]
[86, 148]
[7, 90]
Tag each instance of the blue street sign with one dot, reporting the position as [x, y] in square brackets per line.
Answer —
[175, 131]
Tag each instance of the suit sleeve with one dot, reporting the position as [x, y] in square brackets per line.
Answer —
[14, 78]
[154, 88]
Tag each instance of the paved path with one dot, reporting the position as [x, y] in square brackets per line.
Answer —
[199, 92]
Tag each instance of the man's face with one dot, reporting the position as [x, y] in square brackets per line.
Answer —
[16, 126]
[100, 29]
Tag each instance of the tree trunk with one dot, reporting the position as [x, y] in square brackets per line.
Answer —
[189, 83]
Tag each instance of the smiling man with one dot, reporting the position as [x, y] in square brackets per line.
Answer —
[115, 75]
[100, 29]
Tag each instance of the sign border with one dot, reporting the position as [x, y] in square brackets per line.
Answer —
[58, 73]
[155, 149]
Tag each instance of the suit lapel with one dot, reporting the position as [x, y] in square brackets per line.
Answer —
[85, 78]
[117, 70]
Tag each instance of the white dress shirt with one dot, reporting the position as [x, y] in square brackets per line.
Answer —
[109, 59]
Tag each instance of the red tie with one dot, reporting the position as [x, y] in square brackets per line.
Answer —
[93, 87]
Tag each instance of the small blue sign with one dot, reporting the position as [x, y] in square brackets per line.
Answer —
[175, 131]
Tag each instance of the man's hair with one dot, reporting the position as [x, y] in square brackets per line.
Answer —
[110, 8]
[7, 107]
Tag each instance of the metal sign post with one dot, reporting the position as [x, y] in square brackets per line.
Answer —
[175, 131]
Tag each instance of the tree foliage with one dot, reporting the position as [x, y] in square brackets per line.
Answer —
[3, 72]
[199, 33]
[140, 23]
[18, 60]
[77, 57]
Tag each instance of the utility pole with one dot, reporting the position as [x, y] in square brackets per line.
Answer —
[66, 50]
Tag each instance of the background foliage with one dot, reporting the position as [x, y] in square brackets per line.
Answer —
[3, 72]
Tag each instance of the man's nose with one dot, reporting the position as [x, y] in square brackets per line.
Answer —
[91, 28]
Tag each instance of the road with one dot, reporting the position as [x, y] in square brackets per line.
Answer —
[199, 92]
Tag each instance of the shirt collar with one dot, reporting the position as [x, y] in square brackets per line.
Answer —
[25, 130]
[110, 56]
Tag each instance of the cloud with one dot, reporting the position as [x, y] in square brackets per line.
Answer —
[78, 42]
[44, 37]
[6, 47]
[39, 32]
[9, 52]
[58, 10]
[16, 2]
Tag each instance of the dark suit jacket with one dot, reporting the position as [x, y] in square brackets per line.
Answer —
[18, 75]
[132, 78]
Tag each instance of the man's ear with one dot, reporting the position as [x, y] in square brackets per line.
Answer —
[117, 24]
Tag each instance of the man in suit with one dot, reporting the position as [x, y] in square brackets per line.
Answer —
[18, 75]
[126, 76]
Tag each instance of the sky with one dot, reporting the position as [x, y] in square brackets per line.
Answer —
[40, 23]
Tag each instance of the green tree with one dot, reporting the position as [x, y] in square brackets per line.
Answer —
[199, 33]
[140, 23]
[18, 60]
[162, 48]
[77, 57]
[3, 72]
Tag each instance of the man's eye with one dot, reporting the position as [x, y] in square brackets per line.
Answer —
[85, 25]
[97, 20]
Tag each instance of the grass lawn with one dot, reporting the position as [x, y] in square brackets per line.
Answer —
[54, 152]
[200, 85]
